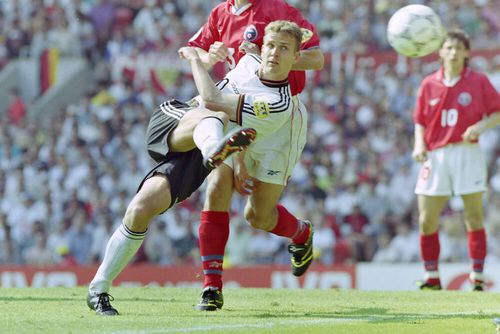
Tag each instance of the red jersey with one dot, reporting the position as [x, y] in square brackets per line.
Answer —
[446, 112]
[248, 23]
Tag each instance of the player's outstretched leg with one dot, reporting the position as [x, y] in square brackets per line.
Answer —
[234, 141]
[302, 254]
[211, 300]
[100, 303]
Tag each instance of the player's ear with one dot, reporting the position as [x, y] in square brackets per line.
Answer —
[297, 56]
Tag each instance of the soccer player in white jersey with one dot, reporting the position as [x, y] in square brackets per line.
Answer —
[454, 106]
[263, 171]
[259, 95]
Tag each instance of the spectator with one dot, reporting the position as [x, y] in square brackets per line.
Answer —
[17, 107]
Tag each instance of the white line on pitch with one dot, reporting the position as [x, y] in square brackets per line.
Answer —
[240, 326]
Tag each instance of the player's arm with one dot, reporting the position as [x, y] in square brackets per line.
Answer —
[311, 56]
[311, 59]
[472, 132]
[214, 99]
[419, 150]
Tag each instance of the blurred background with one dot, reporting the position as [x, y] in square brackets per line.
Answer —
[80, 78]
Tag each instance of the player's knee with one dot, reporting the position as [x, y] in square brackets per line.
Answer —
[255, 218]
[139, 215]
[474, 220]
[428, 223]
[219, 189]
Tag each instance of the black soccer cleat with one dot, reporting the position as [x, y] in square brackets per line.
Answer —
[100, 303]
[302, 254]
[211, 300]
[477, 281]
[478, 285]
[426, 286]
[234, 141]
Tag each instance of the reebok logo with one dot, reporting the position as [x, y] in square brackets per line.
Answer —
[273, 172]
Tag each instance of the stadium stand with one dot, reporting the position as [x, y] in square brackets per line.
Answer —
[71, 142]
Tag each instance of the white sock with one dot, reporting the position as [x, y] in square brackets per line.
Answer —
[431, 274]
[121, 247]
[208, 133]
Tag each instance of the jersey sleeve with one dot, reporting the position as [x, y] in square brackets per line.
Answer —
[491, 97]
[310, 37]
[418, 110]
[207, 35]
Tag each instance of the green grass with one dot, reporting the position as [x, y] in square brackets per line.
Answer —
[170, 310]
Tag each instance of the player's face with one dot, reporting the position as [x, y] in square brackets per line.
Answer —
[278, 55]
[453, 54]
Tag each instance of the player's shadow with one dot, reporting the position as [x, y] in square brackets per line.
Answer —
[367, 314]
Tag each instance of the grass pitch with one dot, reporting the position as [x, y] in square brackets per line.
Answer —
[170, 310]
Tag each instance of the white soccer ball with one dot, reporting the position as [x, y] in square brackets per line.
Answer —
[415, 31]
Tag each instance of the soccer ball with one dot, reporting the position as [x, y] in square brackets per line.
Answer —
[415, 31]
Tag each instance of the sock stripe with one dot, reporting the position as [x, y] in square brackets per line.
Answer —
[212, 257]
[217, 118]
[212, 272]
[130, 234]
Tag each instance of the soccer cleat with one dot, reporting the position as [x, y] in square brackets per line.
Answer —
[100, 304]
[234, 141]
[425, 285]
[477, 281]
[302, 254]
[211, 300]
[496, 321]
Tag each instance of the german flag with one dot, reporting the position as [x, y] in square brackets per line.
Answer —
[48, 69]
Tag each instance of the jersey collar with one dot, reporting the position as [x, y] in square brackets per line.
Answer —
[272, 83]
[440, 76]
[239, 11]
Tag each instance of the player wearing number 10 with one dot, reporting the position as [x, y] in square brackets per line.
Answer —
[454, 106]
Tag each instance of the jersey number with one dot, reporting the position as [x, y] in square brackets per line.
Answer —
[230, 59]
[449, 117]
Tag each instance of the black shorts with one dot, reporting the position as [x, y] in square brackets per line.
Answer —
[184, 170]
[163, 121]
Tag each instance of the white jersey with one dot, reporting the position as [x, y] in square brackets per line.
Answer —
[264, 105]
[279, 118]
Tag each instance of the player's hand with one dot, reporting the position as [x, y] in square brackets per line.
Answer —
[218, 51]
[471, 133]
[419, 154]
[243, 183]
[249, 47]
[188, 53]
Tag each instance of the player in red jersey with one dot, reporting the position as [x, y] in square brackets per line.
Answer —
[454, 106]
[236, 27]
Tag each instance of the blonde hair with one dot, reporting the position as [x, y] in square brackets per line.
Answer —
[288, 27]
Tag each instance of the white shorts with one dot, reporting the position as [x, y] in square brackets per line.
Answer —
[457, 169]
[272, 158]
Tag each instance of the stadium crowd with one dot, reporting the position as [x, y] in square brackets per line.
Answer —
[64, 183]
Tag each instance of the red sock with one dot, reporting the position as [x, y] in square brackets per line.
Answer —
[214, 232]
[290, 227]
[477, 249]
[429, 249]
